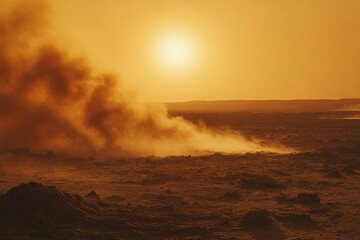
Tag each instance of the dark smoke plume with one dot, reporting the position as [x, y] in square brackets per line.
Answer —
[51, 101]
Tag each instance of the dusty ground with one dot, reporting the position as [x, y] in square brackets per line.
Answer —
[312, 194]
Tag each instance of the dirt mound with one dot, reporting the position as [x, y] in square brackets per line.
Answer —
[34, 204]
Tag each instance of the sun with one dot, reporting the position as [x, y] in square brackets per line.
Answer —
[175, 51]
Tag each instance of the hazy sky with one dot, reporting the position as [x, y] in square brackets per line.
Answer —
[167, 50]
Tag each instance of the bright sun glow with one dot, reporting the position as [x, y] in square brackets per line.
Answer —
[176, 52]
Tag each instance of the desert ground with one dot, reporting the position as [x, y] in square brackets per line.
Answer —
[311, 193]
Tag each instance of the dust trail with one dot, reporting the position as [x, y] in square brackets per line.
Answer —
[354, 117]
[353, 108]
[49, 100]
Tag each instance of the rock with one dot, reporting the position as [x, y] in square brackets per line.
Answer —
[20, 152]
[115, 198]
[298, 221]
[302, 219]
[50, 155]
[258, 219]
[259, 182]
[350, 170]
[45, 212]
[32, 204]
[308, 198]
[224, 223]
[334, 173]
[93, 195]
[283, 199]
[230, 196]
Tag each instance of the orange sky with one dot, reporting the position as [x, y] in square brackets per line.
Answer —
[248, 49]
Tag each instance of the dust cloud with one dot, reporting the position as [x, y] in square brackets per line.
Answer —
[52, 101]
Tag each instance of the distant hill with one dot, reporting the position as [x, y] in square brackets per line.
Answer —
[322, 105]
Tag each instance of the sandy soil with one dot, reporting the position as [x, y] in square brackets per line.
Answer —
[312, 194]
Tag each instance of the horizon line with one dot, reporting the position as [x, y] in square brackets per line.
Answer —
[224, 100]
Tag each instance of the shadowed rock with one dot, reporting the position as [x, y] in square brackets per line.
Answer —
[258, 219]
[298, 221]
[46, 209]
[20, 152]
[33, 204]
[261, 225]
[308, 199]
[253, 181]
[93, 196]
[51, 155]
[303, 219]
[334, 173]
[231, 196]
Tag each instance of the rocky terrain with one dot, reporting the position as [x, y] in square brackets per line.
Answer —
[310, 194]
